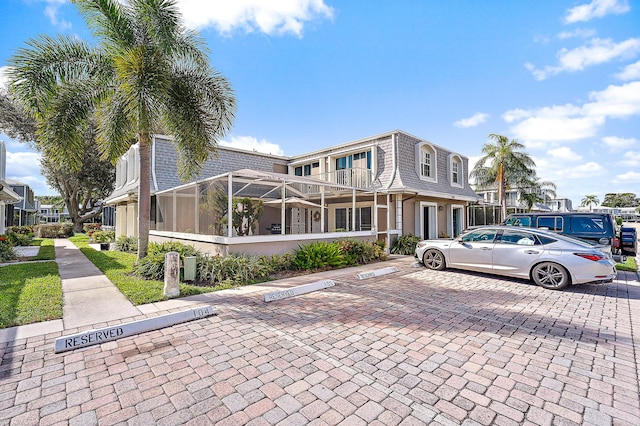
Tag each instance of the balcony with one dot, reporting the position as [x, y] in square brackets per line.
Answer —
[357, 178]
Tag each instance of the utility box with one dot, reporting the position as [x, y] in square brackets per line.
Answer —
[189, 268]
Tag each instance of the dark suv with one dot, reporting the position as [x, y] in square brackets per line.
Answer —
[600, 228]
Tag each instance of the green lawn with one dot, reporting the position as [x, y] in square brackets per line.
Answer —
[30, 293]
[47, 249]
[629, 265]
[118, 267]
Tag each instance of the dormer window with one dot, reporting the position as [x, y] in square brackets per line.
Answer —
[455, 171]
[426, 164]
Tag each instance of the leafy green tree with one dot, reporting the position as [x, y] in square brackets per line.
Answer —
[589, 200]
[81, 189]
[626, 199]
[147, 74]
[504, 164]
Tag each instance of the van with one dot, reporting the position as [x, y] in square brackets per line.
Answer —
[599, 228]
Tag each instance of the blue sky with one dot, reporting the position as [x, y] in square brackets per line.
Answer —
[562, 77]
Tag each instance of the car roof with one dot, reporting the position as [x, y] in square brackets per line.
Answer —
[536, 231]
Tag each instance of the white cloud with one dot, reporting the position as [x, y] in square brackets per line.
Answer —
[630, 158]
[563, 123]
[630, 72]
[472, 121]
[273, 17]
[51, 12]
[629, 177]
[581, 171]
[615, 142]
[596, 9]
[577, 33]
[597, 51]
[250, 143]
[564, 153]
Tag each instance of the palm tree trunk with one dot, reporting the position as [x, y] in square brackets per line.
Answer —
[144, 195]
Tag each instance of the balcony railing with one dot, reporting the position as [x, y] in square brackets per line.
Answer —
[358, 178]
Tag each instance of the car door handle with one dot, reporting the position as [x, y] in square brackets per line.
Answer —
[532, 252]
[486, 248]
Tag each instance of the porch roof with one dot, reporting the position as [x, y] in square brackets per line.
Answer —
[267, 184]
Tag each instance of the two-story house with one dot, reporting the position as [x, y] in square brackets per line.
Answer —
[25, 211]
[7, 195]
[374, 188]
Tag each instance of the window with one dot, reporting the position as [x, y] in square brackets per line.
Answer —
[306, 169]
[426, 166]
[517, 237]
[363, 219]
[456, 170]
[484, 235]
[553, 223]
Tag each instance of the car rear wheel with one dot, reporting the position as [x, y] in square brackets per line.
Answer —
[433, 259]
[550, 275]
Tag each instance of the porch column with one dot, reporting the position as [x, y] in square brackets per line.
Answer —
[353, 210]
[388, 221]
[399, 225]
[229, 205]
[283, 211]
[197, 213]
[322, 209]
[375, 213]
[175, 210]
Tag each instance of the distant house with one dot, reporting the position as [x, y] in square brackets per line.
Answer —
[7, 195]
[49, 213]
[379, 187]
[488, 210]
[561, 205]
[25, 211]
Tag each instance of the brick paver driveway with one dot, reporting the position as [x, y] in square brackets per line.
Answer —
[412, 347]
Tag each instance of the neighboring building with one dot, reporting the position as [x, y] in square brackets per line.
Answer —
[563, 205]
[489, 210]
[49, 213]
[25, 211]
[628, 214]
[7, 195]
[374, 188]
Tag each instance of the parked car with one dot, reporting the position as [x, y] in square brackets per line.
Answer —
[628, 241]
[600, 228]
[552, 261]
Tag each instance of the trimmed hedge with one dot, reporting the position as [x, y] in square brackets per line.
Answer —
[53, 230]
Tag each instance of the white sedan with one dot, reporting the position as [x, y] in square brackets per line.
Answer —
[552, 261]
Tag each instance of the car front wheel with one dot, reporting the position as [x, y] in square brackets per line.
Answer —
[550, 275]
[433, 259]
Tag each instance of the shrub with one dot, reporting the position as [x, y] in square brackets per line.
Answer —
[102, 236]
[18, 239]
[320, 255]
[88, 228]
[22, 230]
[54, 230]
[152, 266]
[6, 249]
[278, 262]
[127, 244]
[233, 269]
[361, 252]
[406, 244]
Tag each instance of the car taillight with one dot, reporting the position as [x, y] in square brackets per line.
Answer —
[615, 242]
[591, 256]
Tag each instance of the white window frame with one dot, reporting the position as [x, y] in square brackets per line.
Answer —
[421, 149]
[455, 158]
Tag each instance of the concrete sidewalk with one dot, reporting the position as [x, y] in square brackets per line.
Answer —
[88, 295]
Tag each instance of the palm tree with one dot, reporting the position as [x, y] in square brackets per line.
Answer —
[508, 166]
[588, 200]
[537, 191]
[147, 75]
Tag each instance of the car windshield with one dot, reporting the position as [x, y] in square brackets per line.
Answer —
[482, 235]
